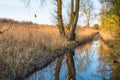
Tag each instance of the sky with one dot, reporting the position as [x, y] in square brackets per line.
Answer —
[18, 10]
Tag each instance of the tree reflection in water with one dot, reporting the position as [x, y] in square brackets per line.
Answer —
[70, 66]
[81, 64]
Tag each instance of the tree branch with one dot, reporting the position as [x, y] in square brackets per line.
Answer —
[59, 18]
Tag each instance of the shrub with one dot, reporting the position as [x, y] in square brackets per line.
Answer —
[96, 26]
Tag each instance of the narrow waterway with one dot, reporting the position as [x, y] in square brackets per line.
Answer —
[86, 62]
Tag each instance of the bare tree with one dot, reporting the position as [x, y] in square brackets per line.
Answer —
[74, 14]
[73, 18]
[87, 10]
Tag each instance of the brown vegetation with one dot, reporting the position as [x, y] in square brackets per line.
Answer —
[113, 51]
[84, 33]
[22, 44]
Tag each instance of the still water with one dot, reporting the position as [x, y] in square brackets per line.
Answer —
[86, 62]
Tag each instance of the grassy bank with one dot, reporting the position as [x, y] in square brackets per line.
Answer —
[113, 53]
[24, 45]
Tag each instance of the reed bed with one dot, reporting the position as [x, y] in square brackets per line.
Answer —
[21, 43]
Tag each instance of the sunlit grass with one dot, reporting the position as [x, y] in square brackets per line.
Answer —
[112, 40]
[22, 43]
[84, 33]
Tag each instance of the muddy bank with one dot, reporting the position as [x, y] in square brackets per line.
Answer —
[44, 59]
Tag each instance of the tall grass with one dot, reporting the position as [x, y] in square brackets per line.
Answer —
[84, 33]
[112, 38]
[22, 43]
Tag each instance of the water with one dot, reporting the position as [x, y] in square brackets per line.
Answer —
[84, 63]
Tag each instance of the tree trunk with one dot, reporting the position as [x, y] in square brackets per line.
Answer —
[59, 18]
[70, 32]
[88, 21]
[71, 14]
[71, 19]
[70, 65]
[75, 20]
[58, 66]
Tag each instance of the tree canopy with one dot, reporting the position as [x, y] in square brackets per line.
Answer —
[110, 16]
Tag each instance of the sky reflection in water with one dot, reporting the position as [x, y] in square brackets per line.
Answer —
[89, 65]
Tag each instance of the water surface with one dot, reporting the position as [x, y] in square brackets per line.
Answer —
[86, 62]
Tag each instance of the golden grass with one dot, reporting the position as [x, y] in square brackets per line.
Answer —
[113, 53]
[106, 35]
[84, 33]
[21, 43]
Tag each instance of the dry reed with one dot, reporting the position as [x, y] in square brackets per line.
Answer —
[21, 43]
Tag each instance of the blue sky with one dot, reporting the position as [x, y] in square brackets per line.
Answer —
[17, 10]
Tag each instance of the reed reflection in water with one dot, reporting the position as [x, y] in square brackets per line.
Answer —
[84, 63]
